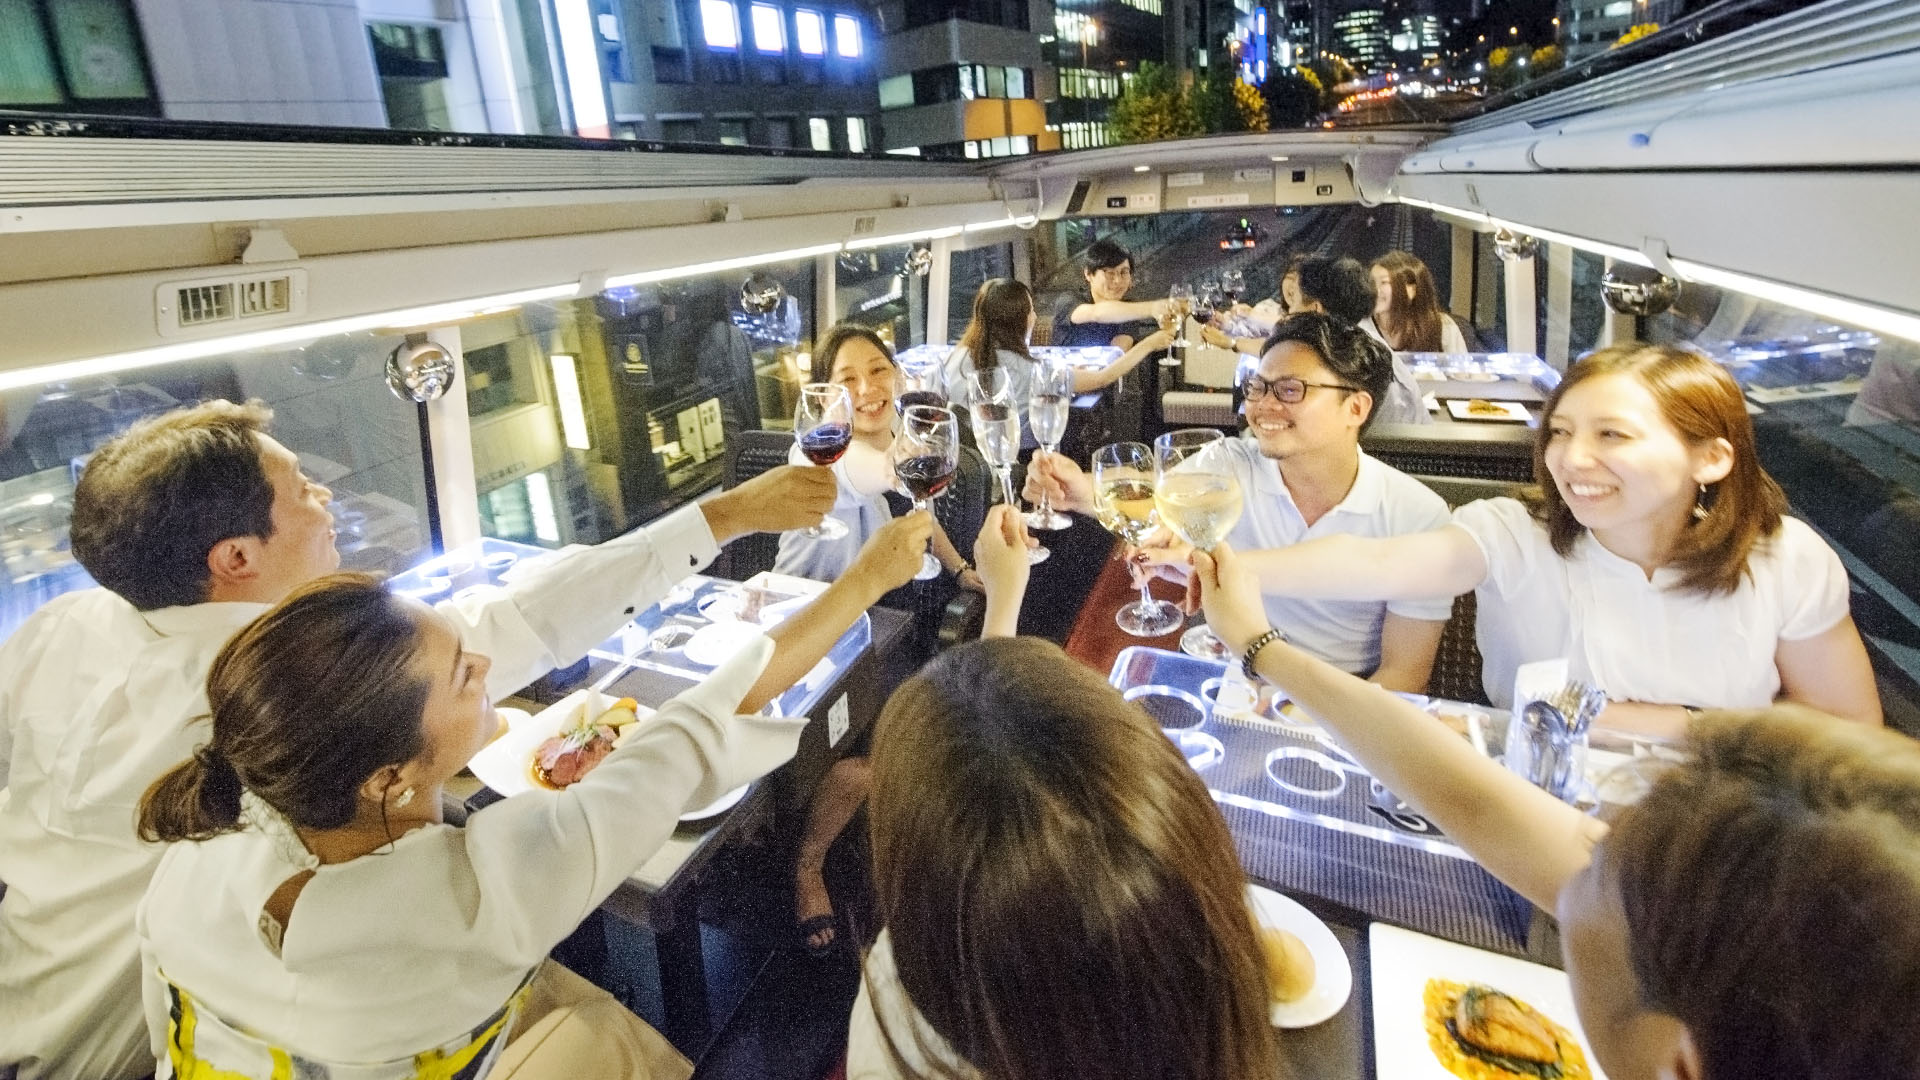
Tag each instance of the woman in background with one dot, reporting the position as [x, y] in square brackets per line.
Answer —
[997, 337]
[1407, 308]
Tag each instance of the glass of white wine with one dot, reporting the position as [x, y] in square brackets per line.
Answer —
[996, 431]
[1047, 411]
[1180, 307]
[1123, 501]
[1199, 498]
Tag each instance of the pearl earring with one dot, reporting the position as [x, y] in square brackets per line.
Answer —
[405, 798]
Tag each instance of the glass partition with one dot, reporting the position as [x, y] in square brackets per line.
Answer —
[593, 416]
[331, 407]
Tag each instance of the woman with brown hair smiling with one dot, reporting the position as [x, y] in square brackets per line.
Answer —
[1658, 557]
[1407, 307]
[1060, 897]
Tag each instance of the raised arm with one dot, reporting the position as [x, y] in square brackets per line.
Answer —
[889, 560]
[1002, 551]
[1443, 562]
[1523, 836]
[1083, 381]
[1115, 311]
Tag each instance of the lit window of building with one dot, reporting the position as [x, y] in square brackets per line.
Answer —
[810, 32]
[720, 23]
[846, 37]
[769, 29]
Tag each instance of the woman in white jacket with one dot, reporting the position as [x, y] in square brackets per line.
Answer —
[315, 917]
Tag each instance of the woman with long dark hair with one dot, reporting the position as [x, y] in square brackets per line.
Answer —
[1750, 917]
[313, 910]
[997, 337]
[1407, 307]
[1060, 896]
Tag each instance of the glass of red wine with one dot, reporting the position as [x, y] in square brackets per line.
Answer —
[823, 427]
[926, 453]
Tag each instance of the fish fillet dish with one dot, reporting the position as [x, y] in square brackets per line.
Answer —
[1480, 1033]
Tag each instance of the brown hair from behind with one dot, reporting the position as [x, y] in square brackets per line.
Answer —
[1701, 402]
[999, 322]
[827, 349]
[308, 701]
[1771, 889]
[1411, 323]
[1062, 896]
[154, 501]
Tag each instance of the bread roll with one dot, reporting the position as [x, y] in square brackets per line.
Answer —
[1289, 964]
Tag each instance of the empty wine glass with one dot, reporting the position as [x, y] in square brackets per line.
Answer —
[1233, 284]
[926, 453]
[823, 427]
[1123, 501]
[1209, 300]
[996, 431]
[1047, 411]
[1199, 498]
[1180, 306]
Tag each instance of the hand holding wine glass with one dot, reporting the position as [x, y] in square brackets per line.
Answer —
[996, 431]
[1180, 306]
[1199, 499]
[1047, 412]
[926, 454]
[1123, 478]
[823, 427]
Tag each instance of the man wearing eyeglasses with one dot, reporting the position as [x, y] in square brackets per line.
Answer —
[1303, 476]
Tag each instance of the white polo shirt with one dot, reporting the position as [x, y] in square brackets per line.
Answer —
[1382, 502]
[1642, 640]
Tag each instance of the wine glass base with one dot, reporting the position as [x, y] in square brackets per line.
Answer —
[830, 528]
[1037, 555]
[929, 568]
[1169, 361]
[1201, 642]
[1051, 521]
[1143, 620]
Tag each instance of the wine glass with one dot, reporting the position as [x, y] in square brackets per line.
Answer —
[996, 431]
[1047, 411]
[1123, 501]
[1200, 500]
[920, 385]
[926, 453]
[1209, 300]
[823, 426]
[1180, 306]
[1233, 284]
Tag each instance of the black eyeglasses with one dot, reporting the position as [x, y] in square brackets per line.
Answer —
[1288, 390]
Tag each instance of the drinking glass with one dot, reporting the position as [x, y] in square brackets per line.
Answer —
[1123, 478]
[1047, 411]
[823, 426]
[996, 431]
[1232, 285]
[926, 453]
[978, 383]
[920, 385]
[1210, 300]
[1180, 306]
[1201, 502]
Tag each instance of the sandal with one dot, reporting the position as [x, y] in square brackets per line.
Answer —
[808, 928]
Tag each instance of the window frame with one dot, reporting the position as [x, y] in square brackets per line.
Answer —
[40, 11]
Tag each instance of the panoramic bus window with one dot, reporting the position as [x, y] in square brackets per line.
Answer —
[1836, 414]
[331, 407]
[591, 417]
[885, 288]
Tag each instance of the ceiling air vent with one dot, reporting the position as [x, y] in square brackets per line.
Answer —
[181, 306]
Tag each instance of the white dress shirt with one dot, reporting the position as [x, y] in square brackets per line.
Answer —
[97, 700]
[1640, 639]
[1382, 502]
[415, 945]
[885, 1021]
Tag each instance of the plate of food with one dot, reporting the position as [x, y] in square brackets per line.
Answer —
[1473, 376]
[1443, 1011]
[1307, 971]
[565, 741]
[1485, 409]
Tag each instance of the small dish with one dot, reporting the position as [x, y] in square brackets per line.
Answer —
[713, 644]
[498, 561]
[1483, 409]
[1332, 974]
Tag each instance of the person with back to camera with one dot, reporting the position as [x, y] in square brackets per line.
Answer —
[1658, 557]
[1341, 288]
[1750, 917]
[194, 522]
[313, 915]
[1107, 317]
[1406, 307]
[1302, 474]
[1059, 895]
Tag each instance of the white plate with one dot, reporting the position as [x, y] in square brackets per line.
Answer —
[1332, 976]
[714, 643]
[503, 764]
[1510, 411]
[1403, 961]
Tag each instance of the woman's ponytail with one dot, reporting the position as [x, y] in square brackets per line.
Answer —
[198, 800]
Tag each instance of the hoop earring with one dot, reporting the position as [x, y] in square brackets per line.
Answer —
[405, 798]
[1699, 505]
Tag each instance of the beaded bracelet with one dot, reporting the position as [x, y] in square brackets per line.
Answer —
[1253, 650]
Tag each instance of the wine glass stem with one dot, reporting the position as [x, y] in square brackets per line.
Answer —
[1146, 596]
[1046, 500]
[1006, 485]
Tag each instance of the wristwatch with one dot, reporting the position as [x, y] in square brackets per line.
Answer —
[1253, 651]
